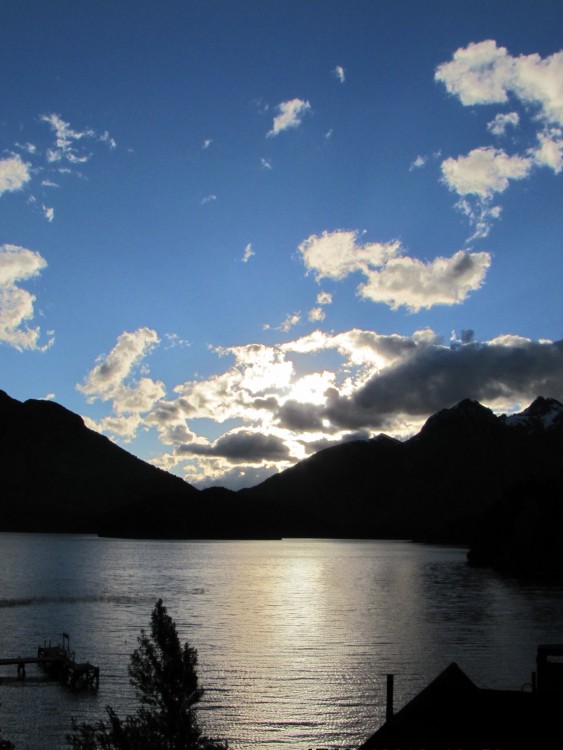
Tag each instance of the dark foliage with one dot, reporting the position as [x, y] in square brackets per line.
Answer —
[6, 744]
[163, 672]
[523, 534]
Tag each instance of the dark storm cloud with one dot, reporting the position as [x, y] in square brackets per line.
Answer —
[240, 447]
[467, 336]
[269, 404]
[294, 415]
[438, 377]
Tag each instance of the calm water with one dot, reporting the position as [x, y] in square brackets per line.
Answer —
[294, 637]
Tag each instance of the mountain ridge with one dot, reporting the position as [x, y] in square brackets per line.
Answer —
[58, 475]
[431, 487]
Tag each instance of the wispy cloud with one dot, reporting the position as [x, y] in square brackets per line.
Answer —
[266, 163]
[208, 199]
[339, 73]
[66, 148]
[29, 148]
[418, 163]
[207, 142]
[290, 115]
[248, 253]
[290, 322]
[105, 137]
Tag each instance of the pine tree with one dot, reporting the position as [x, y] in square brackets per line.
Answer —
[163, 673]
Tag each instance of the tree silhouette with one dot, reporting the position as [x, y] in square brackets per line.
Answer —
[163, 673]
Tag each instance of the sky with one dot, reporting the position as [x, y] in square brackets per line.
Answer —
[235, 232]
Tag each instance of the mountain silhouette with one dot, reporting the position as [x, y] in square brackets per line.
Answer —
[434, 487]
[468, 477]
[57, 475]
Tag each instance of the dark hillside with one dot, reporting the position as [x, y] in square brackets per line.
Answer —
[57, 475]
[432, 487]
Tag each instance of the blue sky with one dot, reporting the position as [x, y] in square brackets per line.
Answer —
[233, 233]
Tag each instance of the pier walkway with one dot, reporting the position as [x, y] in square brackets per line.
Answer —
[59, 663]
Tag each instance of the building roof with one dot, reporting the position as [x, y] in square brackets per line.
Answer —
[452, 712]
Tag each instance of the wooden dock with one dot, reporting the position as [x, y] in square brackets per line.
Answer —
[59, 663]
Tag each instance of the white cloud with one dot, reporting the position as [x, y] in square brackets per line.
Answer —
[483, 73]
[324, 298]
[14, 174]
[337, 254]
[124, 427]
[316, 314]
[208, 199]
[392, 278]
[339, 73]
[416, 285]
[501, 122]
[18, 264]
[107, 380]
[478, 74]
[539, 81]
[207, 142]
[290, 115]
[49, 213]
[266, 163]
[484, 171]
[248, 253]
[477, 177]
[549, 153]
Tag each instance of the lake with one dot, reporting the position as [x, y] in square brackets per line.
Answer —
[295, 637]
